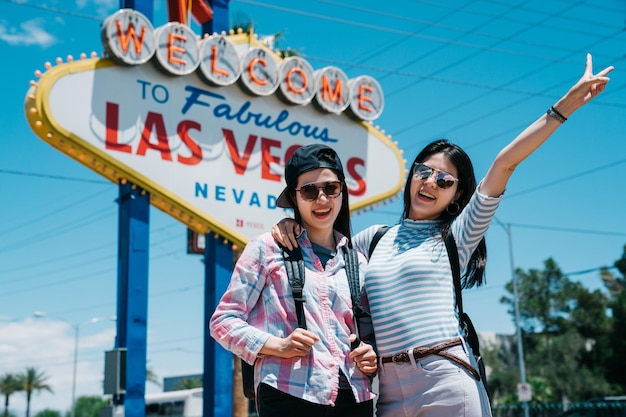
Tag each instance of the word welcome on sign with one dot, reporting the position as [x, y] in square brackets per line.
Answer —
[129, 38]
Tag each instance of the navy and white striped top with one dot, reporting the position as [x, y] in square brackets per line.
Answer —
[409, 280]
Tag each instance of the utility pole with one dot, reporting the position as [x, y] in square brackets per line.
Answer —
[518, 330]
[75, 326]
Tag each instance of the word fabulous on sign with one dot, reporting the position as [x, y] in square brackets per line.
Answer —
[206, 126]
[130, 39]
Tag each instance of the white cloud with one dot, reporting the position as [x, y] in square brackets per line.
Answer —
[29, 33]
[103, 7]
[48, 346]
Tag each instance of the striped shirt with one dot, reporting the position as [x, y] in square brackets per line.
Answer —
[259, 302]
[409, 280]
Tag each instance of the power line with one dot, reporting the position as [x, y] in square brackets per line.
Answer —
[56, 259]
[428, 24]
[57, 230]
[48, 215]
[492, 112]
[378, 28]
[569, 230]
[543, 227]
[569, 178]
[491, 89]
[53, 177]
[424, 77]
[587, 271]
[52, 9]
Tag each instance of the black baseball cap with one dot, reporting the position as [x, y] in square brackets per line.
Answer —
[304, 159]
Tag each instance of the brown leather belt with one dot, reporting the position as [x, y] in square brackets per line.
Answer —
[422, 352]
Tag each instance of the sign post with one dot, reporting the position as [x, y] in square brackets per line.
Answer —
[218, 362]
[132, 295]
[132, 279]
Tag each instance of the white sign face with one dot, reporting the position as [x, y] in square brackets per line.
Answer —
[213, 157]
[524, 392]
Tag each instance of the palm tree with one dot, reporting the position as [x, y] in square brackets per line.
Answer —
[33, 381]
[9, 383]
[189, 383]
[152, 377]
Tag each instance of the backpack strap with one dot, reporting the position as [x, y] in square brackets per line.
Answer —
[352, 271]
[470, 334]
[379, 233]
[295, 272]
[453, 256]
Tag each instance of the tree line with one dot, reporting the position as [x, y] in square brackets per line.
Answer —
[29, 382]
[32, 381]
[573, 338]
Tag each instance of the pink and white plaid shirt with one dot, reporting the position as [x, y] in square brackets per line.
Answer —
[259, 303]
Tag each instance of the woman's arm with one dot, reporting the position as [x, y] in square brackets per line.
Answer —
[587, 87]
[229, 323]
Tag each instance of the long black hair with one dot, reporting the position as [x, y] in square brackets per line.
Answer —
[474, 274]
[342, 222]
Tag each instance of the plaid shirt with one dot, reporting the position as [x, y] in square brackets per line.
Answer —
[258, 303]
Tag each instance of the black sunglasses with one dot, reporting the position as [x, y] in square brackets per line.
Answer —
[310, 192]
[443, 179]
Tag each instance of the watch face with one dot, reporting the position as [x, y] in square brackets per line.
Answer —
[177, 49]
[297, 81]
[333, 92]
[366, 98]
[128, 38]
[220, 64]
[259, 74]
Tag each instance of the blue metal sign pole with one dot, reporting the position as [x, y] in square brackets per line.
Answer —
[219, 22]
[218, 362]
[132, 285]
[132, 294]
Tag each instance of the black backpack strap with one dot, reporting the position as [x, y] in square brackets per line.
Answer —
[453, 255]
[467, 327]
[379, 233]
[352, 272]
[295, 272]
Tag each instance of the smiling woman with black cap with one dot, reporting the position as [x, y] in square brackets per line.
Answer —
[311, 372]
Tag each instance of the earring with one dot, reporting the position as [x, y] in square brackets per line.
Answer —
[456, 207]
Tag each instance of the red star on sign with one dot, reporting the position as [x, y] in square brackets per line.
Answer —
[200, 9]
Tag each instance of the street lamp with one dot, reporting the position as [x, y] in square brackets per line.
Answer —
[75, 326]
[39, 314]
[518, 330]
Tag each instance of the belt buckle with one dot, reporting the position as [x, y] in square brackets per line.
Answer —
[400, 358]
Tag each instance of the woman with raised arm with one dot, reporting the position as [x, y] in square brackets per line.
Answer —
[409, 282]
[308, 371]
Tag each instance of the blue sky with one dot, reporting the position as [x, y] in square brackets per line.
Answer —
[476, 72]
